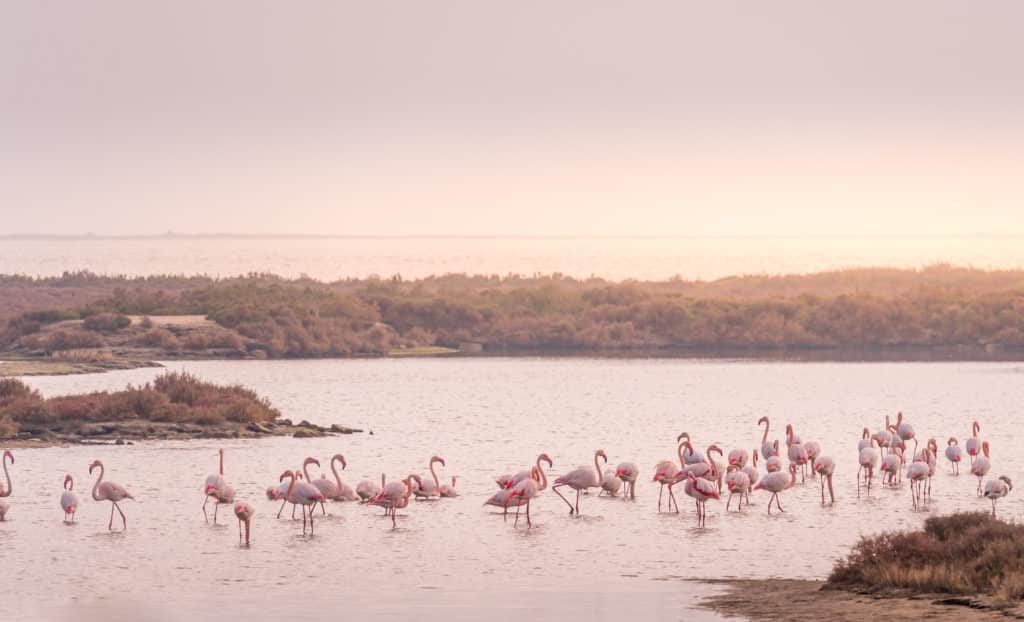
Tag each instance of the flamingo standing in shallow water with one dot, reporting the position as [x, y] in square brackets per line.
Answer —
[981, 465]
[523, 492]
[68, 499]
[700, 490]
[431, 487]
[395, 496]
[244, 513]
[973, 443]
[996, 489]
[773, 463]
[367, 489]
[304, 494]
[796, 451]
[5, 492]
[579, 479]
[892, 465]
[953, 454]
[449, 492]
[738, 482]
[775, 483]
[825, 467]
[218, 489]
[868, 459]
[665, 473]
[313, 482]
[752, 473]
[767, 449]
[610, 483]
[109, 491]
[917, 473]
[628, 472]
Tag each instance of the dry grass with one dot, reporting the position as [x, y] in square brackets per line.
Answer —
[964, 553]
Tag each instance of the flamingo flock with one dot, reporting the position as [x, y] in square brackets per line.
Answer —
[704, 478]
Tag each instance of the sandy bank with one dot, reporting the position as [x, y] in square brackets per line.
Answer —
[806, 601]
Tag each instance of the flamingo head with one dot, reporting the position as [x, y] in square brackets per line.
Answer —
[975, 428]
[434, 459]
[340, 458]
[600, 452]
[546, 458]
[1007, 481]
[715, 448]
[899, 417]
[95, 464]
[984, 448]
[683, 435]
[8, 454]
[69, 484]
[952, 441]
[310, 460]
[865, 433]
[272, 493]
[286, 474]
[762, 420]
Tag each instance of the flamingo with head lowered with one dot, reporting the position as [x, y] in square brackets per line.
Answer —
[523, 492]
[996, 489]
[580, 479]
[431, 487]
[244, 512]
[68, 499]
[109, 491]
[367, 489]
[503, 498]
[628, 472]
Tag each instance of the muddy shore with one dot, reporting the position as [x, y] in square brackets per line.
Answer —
[806, 601]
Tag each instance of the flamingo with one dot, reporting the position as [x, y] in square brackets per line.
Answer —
[904, 430]
[503, 498]
[996, 489]
[707, 468]
[751, 471]
[973, 443]
[796, 451]
[6, 492]
[885, 436]
[891, 466]
[523, 492]
[610, 483]
[344, 492]
[700, 490]
[314, 483]
[431, 487]
[244, 512]
[579, 479]
[218, 489]
[281, 492]
[953, 454]
[865, 440]
[738, 457]
[68, 498]
[449, 491]
[933, 464]
[367, 489]
[825, 467]
[109, 491]
[628, 472]
[689, 455]
[813, 451]
[395, 496]
[773, 463]
[868, 459]
[767, 449]
[304, 494]
[738, 482]
[981, 465]
[528, 473]
[665, 473]
[775, 483]
[917, 473]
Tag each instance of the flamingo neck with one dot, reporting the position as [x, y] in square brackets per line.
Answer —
[597, 467]
[96, 486]
[433, 473]
[222, 462]
[543, 476]
[305, 471]
[69, 483]
[335, 471]
[382, 480]
[679, 452]
[7, 476]
[764, 439]
[291, 486]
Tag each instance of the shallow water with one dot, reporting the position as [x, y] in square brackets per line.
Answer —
[613, 258]
[453, 559]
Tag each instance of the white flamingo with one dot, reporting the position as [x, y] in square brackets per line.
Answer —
[665, 473]
[218, 489]
[431, 487]
[981, 465]
[68, 499]
[628, 472]
[523, 492]
[953, 454]
[244, 512]
[825, 467]
[775, 483]
[737, 482]
[6, 492]
[700, 490]
[751, 471]
[449, 491]
[917, 473]
[973, 443]
[109, 491]
[580, 479]
[868, 460]
[996, 489]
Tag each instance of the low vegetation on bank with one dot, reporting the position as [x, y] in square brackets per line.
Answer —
[174, 405]
[266, 316]
[965, 553]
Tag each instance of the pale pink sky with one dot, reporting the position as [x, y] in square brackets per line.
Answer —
[465, 117]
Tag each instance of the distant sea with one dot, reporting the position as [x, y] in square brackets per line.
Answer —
[617, 258]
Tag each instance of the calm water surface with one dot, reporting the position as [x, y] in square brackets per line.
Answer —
[453, 559]
[613, 258]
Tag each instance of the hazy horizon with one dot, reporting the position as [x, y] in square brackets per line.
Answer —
[576, 119]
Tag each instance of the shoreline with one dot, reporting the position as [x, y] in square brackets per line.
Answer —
[796, 600]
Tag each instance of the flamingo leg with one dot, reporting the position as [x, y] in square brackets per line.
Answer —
[311, 509]
[204, 508]
[556, 491]
[529, 523]
[661, 489]
[831, 494]
[239, 531]
[216, 506]
[858, 480]
[248, 526]
[124, 521]
[778, 504]
[283, 503]
[727, 502]
[110, 525]
[516, 523]
[577, 503]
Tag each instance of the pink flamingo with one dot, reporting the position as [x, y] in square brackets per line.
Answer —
[953, 454]
[6, 492]
[336, 490]
[503, 498]
[701, 490]
[395, 496]
[628, 472]
[775, 483]
[973, 443]
[767, 449]
[305, 471]
[689, 455]
[738, 457]
[109, 491]
[752, 473]
[579, 479]
[610, 483]
[892, 465]
[431, 487]
[825, 467]
[981, 465]
[244, 513]
[68, 499]
[218, 489]
[304, 494]
[666, 472]
[773, 462]
[737, 482]
[528, 473]
[996, 489]
[449, 492]
[367, 489]
[917, 473]
[524, 492]
[868, 459]
[904, 430]
[796, 451]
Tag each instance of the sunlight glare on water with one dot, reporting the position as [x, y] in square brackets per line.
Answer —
[453, 559]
